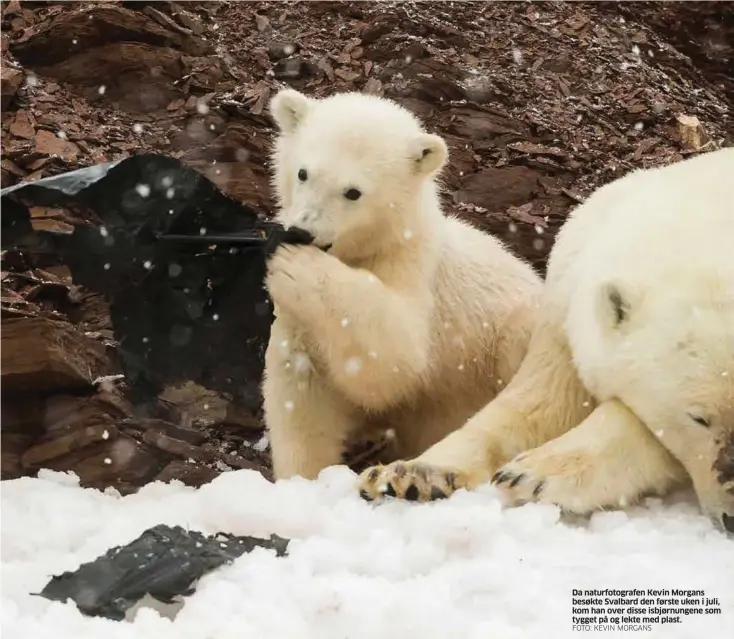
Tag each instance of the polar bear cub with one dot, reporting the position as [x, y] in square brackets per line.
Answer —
[628, 384]
[398, 316]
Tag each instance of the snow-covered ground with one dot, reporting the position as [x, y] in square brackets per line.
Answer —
[460, 568]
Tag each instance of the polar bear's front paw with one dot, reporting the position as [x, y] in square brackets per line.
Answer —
[410, 480]
[294, 274]
[541, 476]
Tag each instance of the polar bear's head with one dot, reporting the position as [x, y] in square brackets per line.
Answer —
[352, 169]
[676, 346]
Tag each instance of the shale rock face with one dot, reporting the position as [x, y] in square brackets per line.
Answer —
[561, 98]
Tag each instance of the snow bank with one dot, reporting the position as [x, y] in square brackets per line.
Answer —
[460, 568]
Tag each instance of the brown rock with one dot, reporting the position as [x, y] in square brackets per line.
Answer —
[70, 33]
[65, 444]
[690, 131]
[22, 125]
[10, 81]
[499, 189]
[42, 355]
[206, 407]
[187, 472]
[49, 144]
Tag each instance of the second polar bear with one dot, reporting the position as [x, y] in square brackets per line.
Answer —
[398, 316]
[628, 384]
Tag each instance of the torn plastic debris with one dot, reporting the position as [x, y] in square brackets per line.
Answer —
[181, 263]
[164, 563]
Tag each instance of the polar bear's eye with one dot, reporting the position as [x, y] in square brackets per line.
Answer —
[303, 175]
[352, 194]
[701, 421]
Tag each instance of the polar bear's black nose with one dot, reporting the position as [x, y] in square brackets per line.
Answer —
[728, 521]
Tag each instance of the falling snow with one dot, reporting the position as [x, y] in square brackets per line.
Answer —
[143, 190]
[353, 366]
[301, 362]
[102, 89]
[138, 128]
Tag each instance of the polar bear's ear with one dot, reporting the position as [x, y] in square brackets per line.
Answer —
[429, 153]
[288, 109]
[615, 304]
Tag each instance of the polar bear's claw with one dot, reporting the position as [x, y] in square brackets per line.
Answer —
[411, 481]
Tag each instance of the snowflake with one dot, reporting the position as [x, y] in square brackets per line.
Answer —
[143, 190]
[353, 365]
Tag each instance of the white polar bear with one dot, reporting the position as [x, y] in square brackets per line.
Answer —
[628, 383]
[409, 319]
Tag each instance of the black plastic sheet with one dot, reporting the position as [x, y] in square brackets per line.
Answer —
[181, 263]
[163, 562]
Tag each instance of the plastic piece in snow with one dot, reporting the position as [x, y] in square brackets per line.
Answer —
[163, 562]
[181, 263]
